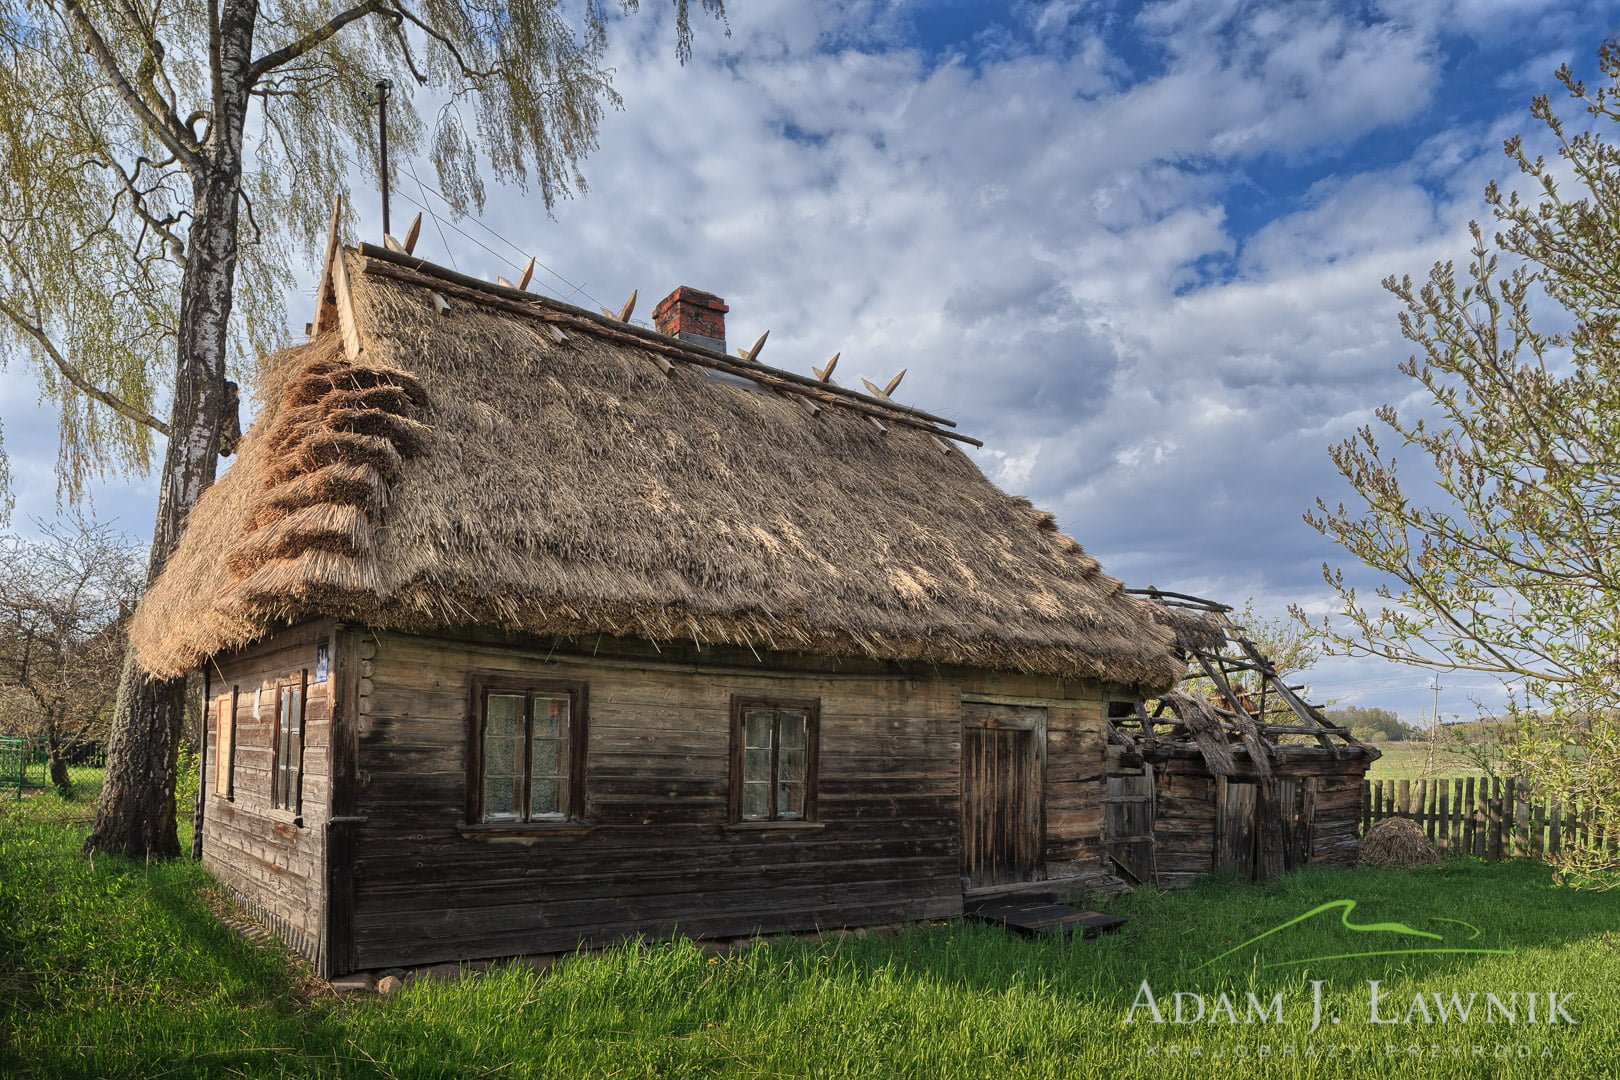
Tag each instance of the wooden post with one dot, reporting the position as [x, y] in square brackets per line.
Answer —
[1471, 816]
[1521, 820]
[1444, 816]
[1493, 808]
[1510, 817]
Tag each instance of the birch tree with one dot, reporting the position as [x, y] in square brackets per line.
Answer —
[1509, 566]
[160, 163]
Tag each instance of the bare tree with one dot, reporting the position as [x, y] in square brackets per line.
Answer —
[64, 602]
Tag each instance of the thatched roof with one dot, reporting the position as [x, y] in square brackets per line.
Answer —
[534, 468]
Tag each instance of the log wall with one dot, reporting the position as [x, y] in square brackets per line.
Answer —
[273, 860]
[1186, 826]
[659, 855]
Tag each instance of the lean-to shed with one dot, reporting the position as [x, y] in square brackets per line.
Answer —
[524, 626]
[1234, 772]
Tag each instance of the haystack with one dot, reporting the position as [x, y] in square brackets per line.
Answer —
[1397, 844]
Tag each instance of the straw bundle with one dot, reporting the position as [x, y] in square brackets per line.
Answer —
[1397, 843]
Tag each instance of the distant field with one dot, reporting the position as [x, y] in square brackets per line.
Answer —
[1418, 760]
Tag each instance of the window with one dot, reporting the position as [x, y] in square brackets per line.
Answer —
[286, 777]
[225, 746]
[528, 761]
[773, 759]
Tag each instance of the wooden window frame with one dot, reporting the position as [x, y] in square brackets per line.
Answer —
[484, 684]
[225, 746]
[740, 704]
[295, 803]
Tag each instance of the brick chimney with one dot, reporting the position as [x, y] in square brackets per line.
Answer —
[693, 315]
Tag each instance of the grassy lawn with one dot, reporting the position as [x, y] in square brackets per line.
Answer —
[119, 969]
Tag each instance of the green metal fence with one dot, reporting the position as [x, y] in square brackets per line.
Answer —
[22, 765]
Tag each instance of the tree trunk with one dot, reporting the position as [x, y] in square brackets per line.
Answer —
[136, 815]
[60, 778]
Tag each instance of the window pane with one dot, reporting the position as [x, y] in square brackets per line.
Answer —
[790, 766]
[757, 729]
[548, 758]
[756, 803]
[546, 798]
[550, 717]
[503, 714]
[500, 798]
[793, 727]
[756, 766]
[789, 800]
[500, 756]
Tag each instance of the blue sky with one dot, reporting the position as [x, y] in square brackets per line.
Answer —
[1136, 248]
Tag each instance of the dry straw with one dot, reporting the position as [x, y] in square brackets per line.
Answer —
[1397, 843]
[471, 469]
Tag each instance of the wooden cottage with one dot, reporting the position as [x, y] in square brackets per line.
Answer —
[1234, 773]
[524, 626]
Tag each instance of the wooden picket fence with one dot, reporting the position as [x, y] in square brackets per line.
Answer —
[1491, 817]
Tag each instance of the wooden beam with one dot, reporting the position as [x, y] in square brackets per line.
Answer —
[752, 355]
[394, 245]
[412, 233]
[888, 391]
[527, 275]
[824, 374]
[422, 272]
[347, 322]
[502, 281]
[386, 264]
[440, 304]
[325, 310]
[624, 313]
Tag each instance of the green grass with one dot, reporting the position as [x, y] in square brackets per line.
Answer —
[114, 968]
[1416, 759]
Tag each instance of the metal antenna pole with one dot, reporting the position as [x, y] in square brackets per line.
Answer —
[383, 86]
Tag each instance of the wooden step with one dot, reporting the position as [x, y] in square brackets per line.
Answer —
[1034, 918]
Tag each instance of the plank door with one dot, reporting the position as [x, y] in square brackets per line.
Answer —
[1128, 826]
[1235, 833]
[1003, 793]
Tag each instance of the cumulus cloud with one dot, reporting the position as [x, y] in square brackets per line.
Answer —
[1050, 221]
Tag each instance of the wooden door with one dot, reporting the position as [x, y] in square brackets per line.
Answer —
[1235, 833]
[1128, 821]
[1003, 762]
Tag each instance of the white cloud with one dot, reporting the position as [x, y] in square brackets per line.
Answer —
[1040, 229]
